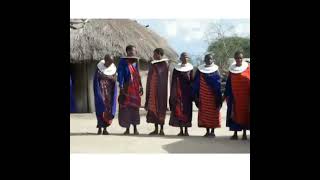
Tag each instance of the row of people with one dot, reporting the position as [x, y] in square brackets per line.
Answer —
[204, 89]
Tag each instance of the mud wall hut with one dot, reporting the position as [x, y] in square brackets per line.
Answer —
[91, 39]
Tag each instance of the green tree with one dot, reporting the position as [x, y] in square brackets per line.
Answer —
[224, 48]
[224, 42]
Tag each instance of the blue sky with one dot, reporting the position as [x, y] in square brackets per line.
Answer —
[190, 34]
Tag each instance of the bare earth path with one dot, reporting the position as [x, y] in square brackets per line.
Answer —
[83, 138]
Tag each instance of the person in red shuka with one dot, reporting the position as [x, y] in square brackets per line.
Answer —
[206, 91]
[237, 94]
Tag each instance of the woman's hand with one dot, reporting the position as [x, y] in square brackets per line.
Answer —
[141, 91]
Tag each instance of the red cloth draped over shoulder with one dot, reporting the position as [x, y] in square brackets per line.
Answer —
[209, 114]
[133, 98]
[241, 92]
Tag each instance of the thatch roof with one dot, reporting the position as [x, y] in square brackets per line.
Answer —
[91, 40]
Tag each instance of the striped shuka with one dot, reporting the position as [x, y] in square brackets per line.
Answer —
[209, 113]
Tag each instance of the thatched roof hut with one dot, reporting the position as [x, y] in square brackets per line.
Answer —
[97, 37]
[91, 40]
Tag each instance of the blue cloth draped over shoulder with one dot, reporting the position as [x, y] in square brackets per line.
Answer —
[72, 103]
[213, 80]
[99, 104]
[123, 72]
[228, 93]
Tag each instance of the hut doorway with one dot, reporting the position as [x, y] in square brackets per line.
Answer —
[82, 75]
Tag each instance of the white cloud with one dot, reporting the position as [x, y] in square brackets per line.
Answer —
[187, 38]
[242, 29]
[188, 30]
[171, 28]
[189, 34]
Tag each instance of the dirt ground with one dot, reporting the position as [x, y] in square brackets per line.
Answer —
[83, 138]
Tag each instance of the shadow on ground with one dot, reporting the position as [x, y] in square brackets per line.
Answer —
[193, 144]
[220, 144]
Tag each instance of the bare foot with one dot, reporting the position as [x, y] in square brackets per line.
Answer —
[161, 133]
[234, 137]
[105, 132]
[136, 132]
[206, 135]
[153, 133]
[180, 134]
[244, 137]
[126, 132]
